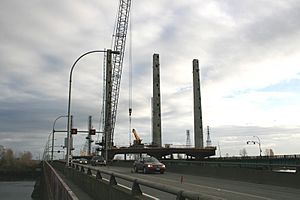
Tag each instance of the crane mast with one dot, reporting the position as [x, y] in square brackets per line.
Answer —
[119, 40]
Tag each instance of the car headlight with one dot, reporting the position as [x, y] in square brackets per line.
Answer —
[163, 166]
[149, 165]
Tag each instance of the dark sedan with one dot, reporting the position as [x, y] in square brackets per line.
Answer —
[80, 161]
[98, 160]
[148, 164]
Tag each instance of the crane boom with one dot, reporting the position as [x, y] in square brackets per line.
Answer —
[119, 40]
[138, 140]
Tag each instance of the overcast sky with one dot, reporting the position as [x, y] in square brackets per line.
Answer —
[248, 51]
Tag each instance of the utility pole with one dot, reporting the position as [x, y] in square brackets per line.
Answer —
[208, 141]
[89, 136]
[108, 106]
[188, 138]
[220, 154]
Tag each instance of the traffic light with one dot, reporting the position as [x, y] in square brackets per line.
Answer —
[99, 143]
[74, 131]
[92, 131]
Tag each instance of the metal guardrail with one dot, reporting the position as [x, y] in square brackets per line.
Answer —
[135, 188]
[255, 165]
[283, 160]
[56, 187]
[293, 156]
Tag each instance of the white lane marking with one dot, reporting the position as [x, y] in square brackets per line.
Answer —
[218, 189]
[204, 186]
[148, 195]
[152, 197]
[210, 195]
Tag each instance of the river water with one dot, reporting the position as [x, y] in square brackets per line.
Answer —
[13, 190]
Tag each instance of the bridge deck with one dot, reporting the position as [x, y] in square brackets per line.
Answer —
[161, 152]
[75, 188]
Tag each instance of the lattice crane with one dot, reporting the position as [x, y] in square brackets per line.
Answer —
[119, 40]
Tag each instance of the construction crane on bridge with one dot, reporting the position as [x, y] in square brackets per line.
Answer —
[119, 41]
[138, 140]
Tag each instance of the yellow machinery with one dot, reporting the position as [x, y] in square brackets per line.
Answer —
[138, 140]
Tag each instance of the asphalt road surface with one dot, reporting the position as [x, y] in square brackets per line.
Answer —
[220, 188]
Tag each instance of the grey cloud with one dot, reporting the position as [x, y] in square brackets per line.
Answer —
[41, 40]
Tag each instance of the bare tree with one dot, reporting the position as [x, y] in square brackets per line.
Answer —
[269, 152]
[243, 152]
[26, 158]
[8, 158]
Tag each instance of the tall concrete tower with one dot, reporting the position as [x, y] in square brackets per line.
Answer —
[156, 111]
[198, 129]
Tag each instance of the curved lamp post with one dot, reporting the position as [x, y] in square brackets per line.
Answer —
[69, 102]
[53, 131]
[254, 142]
[46, 149]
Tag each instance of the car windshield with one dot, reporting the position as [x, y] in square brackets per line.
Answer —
[151, 159]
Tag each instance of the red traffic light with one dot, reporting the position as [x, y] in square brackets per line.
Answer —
[74, 131]
[92, 131]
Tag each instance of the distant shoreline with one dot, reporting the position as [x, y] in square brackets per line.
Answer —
[18, 174]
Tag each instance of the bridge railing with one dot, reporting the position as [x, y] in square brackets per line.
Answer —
[57, 189]
[292, 156]
[136, 191]
[254, 165]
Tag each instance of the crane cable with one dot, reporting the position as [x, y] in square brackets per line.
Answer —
[130, 77]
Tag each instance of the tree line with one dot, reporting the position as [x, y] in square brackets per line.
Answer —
[10, 160]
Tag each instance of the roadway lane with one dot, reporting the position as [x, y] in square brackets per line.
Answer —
[224, 189]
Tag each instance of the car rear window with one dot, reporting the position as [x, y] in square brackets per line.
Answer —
[151, 159]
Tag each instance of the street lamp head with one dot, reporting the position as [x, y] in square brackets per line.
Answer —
[116, 52]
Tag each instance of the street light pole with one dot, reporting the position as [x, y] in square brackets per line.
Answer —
[254, 142]
[69, 101]
[53, 131]
[259, 144]
[45, 153]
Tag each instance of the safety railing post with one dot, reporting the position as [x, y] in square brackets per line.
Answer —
[136, 190]
[112, 180]
[98, 175]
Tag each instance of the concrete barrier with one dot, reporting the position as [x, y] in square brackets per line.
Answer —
[56, 187]
[98, 188]
[255, 172]
[263, 175]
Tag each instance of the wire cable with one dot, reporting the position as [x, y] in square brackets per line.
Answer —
[130, 78]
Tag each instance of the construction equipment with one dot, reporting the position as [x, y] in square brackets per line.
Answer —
[119, 40]
[138, 140]
[87, 146]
